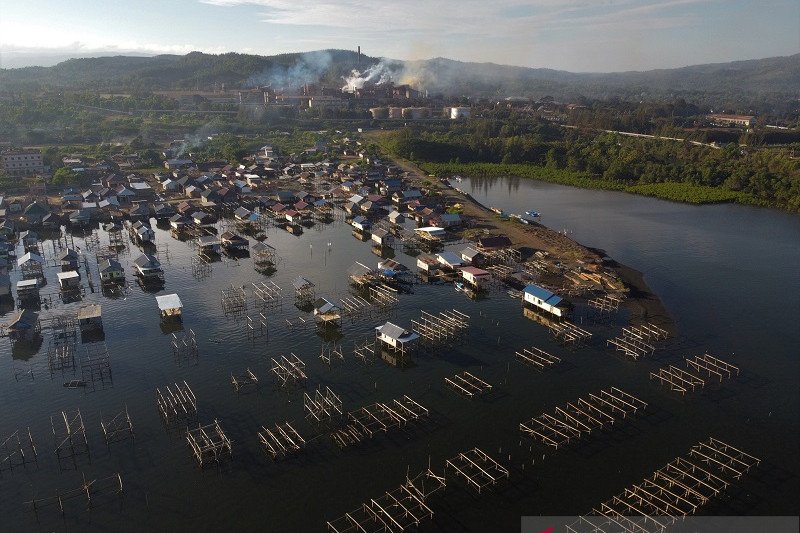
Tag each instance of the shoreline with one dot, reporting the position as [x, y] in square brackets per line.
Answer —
[643, 304]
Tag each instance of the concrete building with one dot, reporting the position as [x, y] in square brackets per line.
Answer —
[732, 120]
[20, 163]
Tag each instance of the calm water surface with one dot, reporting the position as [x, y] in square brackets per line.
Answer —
[726, 273]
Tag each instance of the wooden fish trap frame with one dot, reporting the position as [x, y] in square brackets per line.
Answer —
[281, 441]
[117, 428]
[201, 268]
[355, 306]
[256, 326]
[367, 422]
[234, 301]
[323, 406]
[96, 364]
[209, 443]
[244, 380]
[638, 341]
[537, 358]
[265, 258]
[162, 252]
[267, 295]
[331, 352]
[477, 468]
[382, 295]
[63, 330]
[70, 440]
[364, 351]
[14, 449]
[605, 304]
[672, 492]
[576, 420]
[106, 252]
[92, 240]
[569, 334]
[300, 323]
[711, 366]
[289, 370]
[185, 346]
[90, 490]
[396, 511]
[61, 357]
[448, 327]
[468, 385]
[115, 238]
[504, 256]
[176, 403]
[699, 368]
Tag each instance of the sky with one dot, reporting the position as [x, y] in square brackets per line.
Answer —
[574, 35]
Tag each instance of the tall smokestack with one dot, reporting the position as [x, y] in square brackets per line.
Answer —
[358, 65]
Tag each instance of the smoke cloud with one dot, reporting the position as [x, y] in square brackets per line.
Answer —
[309, 68]
[377, 74]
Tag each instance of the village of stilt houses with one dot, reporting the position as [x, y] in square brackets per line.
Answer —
[345, 332]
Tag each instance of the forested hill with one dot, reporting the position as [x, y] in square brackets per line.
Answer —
[202, 71]
[191, 71]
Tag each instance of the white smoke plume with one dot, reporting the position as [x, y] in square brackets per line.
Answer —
[309, 68]
[377, 74]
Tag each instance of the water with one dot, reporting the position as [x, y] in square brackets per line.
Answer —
[732, 293]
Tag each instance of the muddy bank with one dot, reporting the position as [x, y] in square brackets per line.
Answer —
[642, 303]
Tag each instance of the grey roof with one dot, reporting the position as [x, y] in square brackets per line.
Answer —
[110, 265]
[68, 253]
[169, 301]
[469, 253]
[359, 269]
[324, 305]
[449, 257]
[147, 260]
[393, 331]
[207, 240]
[301, 283]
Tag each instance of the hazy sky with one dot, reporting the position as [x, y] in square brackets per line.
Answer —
[576, 35]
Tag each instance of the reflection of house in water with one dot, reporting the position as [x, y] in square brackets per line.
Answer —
[545, 319]
[5, 286]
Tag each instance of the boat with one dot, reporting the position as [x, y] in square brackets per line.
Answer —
[533, 214]
[514, 293]
[74, 384]
[460, 287]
